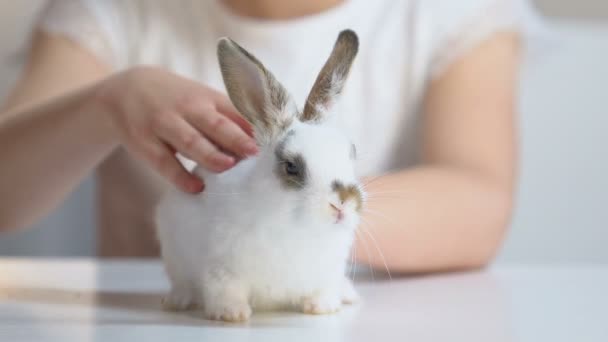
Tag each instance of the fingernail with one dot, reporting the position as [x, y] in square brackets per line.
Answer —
[251, 148]
[224, 160]
[196, 186]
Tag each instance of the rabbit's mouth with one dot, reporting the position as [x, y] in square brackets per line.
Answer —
[343, 213]
[337, 212]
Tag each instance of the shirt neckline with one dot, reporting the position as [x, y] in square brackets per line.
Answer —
[238, 25]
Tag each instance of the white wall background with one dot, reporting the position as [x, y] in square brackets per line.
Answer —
[562, 205]
[562, 209]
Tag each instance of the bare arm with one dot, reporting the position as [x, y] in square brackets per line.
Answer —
[451, 211]
[49, 143]
[67, 114]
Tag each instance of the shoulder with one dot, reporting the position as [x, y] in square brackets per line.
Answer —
[115, 30]
[446, 18]
[454, 28]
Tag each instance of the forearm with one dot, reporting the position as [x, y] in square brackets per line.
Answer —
[432, 218]
[45, 151]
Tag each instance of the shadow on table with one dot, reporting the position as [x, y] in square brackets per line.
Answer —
[128, 308]
[134, 302]
[471, 307]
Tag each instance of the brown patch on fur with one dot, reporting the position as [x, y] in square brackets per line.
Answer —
[346, 193]
[330, 81]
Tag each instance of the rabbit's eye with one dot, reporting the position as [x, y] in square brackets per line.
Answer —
[292, 171]
[291, 168]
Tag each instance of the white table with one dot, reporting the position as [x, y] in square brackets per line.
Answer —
[85, 300]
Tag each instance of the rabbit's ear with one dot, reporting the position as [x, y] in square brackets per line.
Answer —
[330, 81]
[255, 92]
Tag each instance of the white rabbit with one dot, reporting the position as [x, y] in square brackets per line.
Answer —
[276, 230]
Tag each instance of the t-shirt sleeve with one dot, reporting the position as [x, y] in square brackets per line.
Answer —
[98, 26]
[456, 27]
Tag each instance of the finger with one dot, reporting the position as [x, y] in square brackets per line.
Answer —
[221, 103]
[185, 139]
[226, 134]
[224, 106]
[166, 163]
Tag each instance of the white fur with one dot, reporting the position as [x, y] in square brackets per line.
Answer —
[249, 243]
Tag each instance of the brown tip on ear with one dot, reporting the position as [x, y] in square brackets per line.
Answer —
[349, 37]
[330, 82]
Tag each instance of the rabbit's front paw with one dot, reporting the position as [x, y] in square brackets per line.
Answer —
[226, 300]
[234, 312]
[178, 300]
[321, 305]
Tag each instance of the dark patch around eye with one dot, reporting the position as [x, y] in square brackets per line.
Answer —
[353, 152]
[296, 180]
[292, 181]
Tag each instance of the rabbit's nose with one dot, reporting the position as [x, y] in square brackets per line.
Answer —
[348, 193]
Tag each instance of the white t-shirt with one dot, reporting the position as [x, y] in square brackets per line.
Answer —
[403, 45]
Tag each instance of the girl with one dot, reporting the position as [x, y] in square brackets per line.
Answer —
[121, 86]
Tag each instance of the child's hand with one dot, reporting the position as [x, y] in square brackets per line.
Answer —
[155, 113]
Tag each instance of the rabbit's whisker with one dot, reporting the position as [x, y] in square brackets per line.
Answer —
[369, 255]
[381, 215]
[296, 182]
[388, 192]
[354, 265]
[352, 261]
[365, 230]
[380, 197]
[365, 184]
